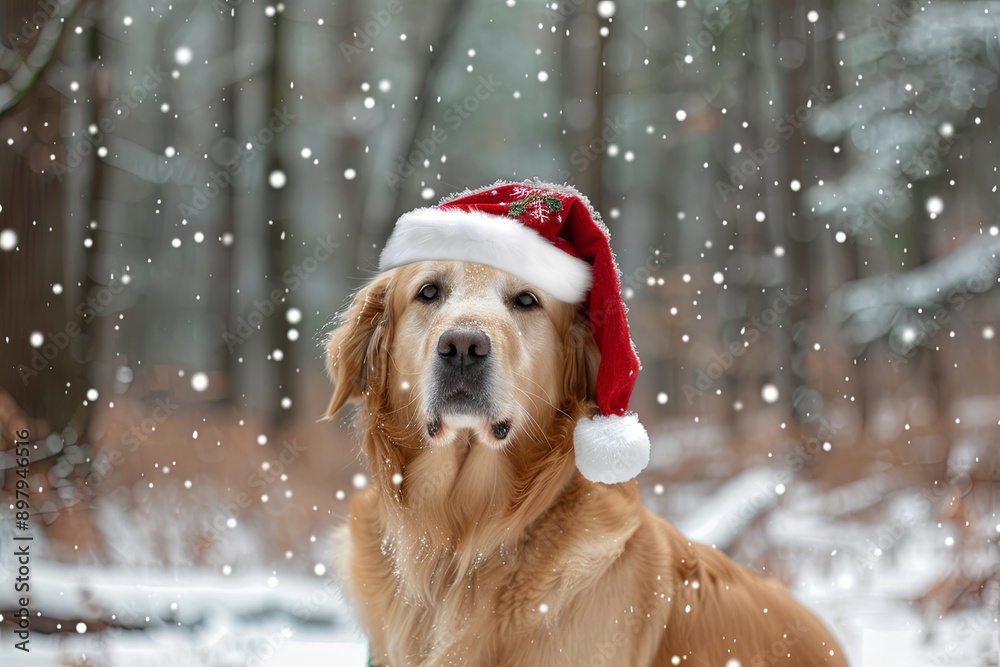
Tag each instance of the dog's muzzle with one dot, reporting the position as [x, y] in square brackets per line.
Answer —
[464, 378]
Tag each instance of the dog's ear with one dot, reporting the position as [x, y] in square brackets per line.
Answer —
[357, 350]
[582, 360]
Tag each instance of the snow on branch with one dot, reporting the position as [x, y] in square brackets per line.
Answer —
[158, 596]
[870, 308]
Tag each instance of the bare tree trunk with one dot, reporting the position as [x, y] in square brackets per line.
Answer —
[582, 87]
[381, 210]
[254, 385]
[32, 198]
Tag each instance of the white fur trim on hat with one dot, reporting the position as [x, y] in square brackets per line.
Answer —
[611, 449]
[503, 243]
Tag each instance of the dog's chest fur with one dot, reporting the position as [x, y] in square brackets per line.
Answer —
[428, 601]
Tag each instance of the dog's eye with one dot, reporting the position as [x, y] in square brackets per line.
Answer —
[526, 300]
[428, 292]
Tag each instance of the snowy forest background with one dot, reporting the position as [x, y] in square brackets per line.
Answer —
[801, 194]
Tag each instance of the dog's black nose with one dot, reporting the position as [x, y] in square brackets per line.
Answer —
[463, 346]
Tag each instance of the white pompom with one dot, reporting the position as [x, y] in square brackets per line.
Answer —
[611, 449]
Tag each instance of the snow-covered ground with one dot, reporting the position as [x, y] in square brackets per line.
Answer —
[170, 618]
[897, 591]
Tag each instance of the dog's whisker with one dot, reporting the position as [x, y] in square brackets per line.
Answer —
[526, 414]
[532, 396]
[530, 421]
[529, 379]
[413, 415]
[542, 398]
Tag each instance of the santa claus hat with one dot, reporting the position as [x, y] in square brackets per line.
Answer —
[550, 236]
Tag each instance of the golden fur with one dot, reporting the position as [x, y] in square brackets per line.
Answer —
[468, 550]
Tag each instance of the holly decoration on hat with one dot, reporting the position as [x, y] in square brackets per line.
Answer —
[518, 207]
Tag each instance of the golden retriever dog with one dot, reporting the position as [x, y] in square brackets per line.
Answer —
[478, 541]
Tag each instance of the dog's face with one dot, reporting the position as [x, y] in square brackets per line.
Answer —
[446, 351]
[475, 349]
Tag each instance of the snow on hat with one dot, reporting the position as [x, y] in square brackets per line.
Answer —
[550, 236]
